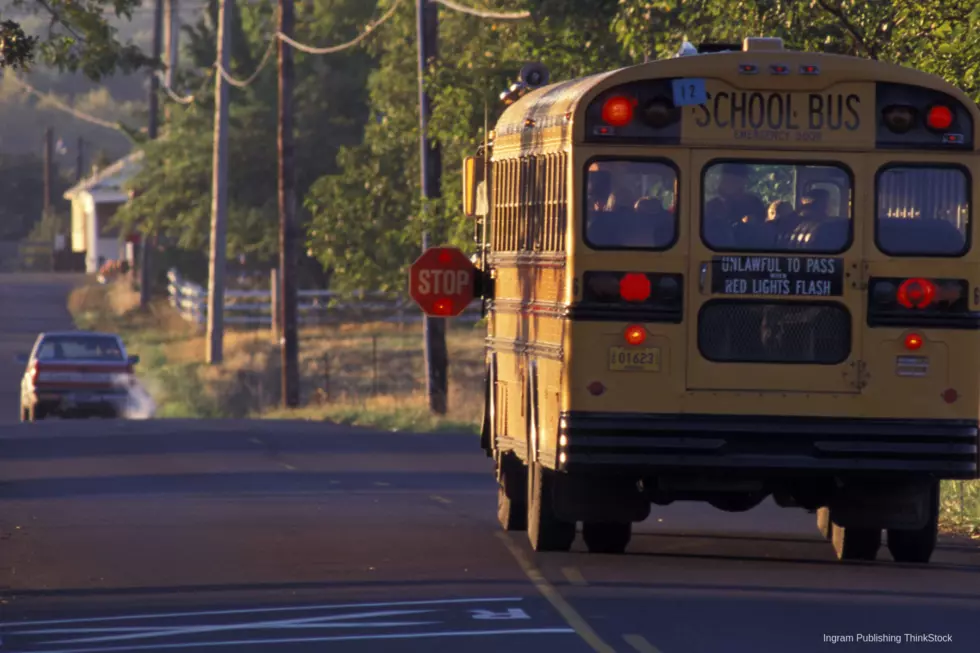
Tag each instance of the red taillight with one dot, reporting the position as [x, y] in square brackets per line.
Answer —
[913, 341]
[635, 334]
[618, 111]
[939, 118]
[916, 293]
[34, 372]
[634, 287]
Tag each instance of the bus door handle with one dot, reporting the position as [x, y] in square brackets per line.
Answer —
[703, 277]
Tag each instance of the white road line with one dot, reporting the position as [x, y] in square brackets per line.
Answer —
[164, 631]
[292, 608]
[340, 638]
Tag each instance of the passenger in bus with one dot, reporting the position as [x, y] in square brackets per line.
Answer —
[652, 225]
[600, 189]
[816, 205]
[782, 222]
[733, 207]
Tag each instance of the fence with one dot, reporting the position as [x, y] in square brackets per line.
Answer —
[252, 308]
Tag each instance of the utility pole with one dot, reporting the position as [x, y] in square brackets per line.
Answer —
[151, 131]
[287, 214]
[80, 159]
[219, 192]
[48, 170]
[434, 328]
[171, 39]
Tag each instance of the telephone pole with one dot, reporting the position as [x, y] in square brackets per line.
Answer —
[171, 40]
[287, 214]
[48, 170]
[219, 192]
[434, 328]
[151, 131]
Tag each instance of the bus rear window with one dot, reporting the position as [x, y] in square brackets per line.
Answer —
[630, 204]
[923, 211]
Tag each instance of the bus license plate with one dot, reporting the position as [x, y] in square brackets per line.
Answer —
[629, 359]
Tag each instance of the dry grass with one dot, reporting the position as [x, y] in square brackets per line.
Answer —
[364, 374]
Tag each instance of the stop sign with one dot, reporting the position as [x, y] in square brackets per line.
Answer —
[442, 281]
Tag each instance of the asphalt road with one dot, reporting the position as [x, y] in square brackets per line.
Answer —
[295, 537]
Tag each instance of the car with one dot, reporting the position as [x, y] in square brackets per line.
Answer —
[74, 374]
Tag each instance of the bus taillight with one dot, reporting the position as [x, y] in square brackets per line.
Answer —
[899, 118]
[618, 111]
[939, 118]
[916, 293]
[635, 334]
[634, 287]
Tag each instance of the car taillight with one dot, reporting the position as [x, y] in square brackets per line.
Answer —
[34, 372]
[901, 300]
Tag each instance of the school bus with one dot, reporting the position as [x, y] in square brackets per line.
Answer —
[727, 276]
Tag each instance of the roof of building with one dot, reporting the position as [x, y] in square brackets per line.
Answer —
[110, 178]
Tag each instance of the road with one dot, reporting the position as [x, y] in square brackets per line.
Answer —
[298, 536]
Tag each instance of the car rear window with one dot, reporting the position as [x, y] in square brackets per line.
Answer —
[923, 210]
[67, 348]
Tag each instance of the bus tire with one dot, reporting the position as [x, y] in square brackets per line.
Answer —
[917, 546]
[823, 522]
[512, 494]
[856, 543]
[544, 530]
[609, 537]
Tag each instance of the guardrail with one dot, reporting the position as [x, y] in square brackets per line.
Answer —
[252, 308]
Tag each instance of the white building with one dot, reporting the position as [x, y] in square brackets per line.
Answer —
[93, 203]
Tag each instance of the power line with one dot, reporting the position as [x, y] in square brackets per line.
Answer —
[309, 49]
[64, 107]
[481, 13]
[242, 83]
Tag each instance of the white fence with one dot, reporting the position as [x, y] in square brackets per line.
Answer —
[251, 308]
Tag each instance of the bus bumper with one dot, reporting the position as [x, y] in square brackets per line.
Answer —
[650, 444]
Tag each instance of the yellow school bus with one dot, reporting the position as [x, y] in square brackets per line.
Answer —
[728, 276]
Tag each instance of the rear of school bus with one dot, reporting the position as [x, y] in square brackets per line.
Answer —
[775, 292]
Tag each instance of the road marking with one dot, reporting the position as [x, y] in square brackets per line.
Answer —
[382, 484]
[436, 497]
[564, 608]
[288, 466]
[341, 638]
[255, 441]
[292, 608]
[640, 643]
[574, 576]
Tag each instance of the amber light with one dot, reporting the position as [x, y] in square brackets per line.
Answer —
[635, 334]
[916, 293]
[634, 287]
[939, 118]
[898, 118]
[913, 341]
[618, 111]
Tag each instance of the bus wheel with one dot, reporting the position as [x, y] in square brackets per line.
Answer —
[544, 530]
[856, 543]
[607, 537]
[918, 545]
[823, 522]
[512, 494]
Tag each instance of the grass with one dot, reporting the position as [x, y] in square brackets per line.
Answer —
[358, 374]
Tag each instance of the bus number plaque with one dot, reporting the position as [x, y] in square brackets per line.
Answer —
[786, 276]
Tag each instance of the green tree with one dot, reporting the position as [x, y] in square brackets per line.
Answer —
[368, 218]
[79, 39]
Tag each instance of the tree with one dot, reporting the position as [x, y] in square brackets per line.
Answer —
[368, 219]
[329, 108]
[79, 37]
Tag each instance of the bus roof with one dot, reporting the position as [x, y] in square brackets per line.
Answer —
[563, 104]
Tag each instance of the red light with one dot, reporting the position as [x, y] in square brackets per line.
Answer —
[596, 388]
[635, 334]
[939, 118]
[634, 287]
[916, 293]
[618, 111]
[950, 395]
[443, 307]
[913, 341]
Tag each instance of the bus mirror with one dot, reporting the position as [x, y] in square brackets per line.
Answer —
[472, 183]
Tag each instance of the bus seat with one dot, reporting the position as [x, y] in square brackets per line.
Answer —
[930, 236]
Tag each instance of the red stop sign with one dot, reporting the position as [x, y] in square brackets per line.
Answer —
[442, 281]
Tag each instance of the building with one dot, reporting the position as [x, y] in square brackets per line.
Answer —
[93, 203]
